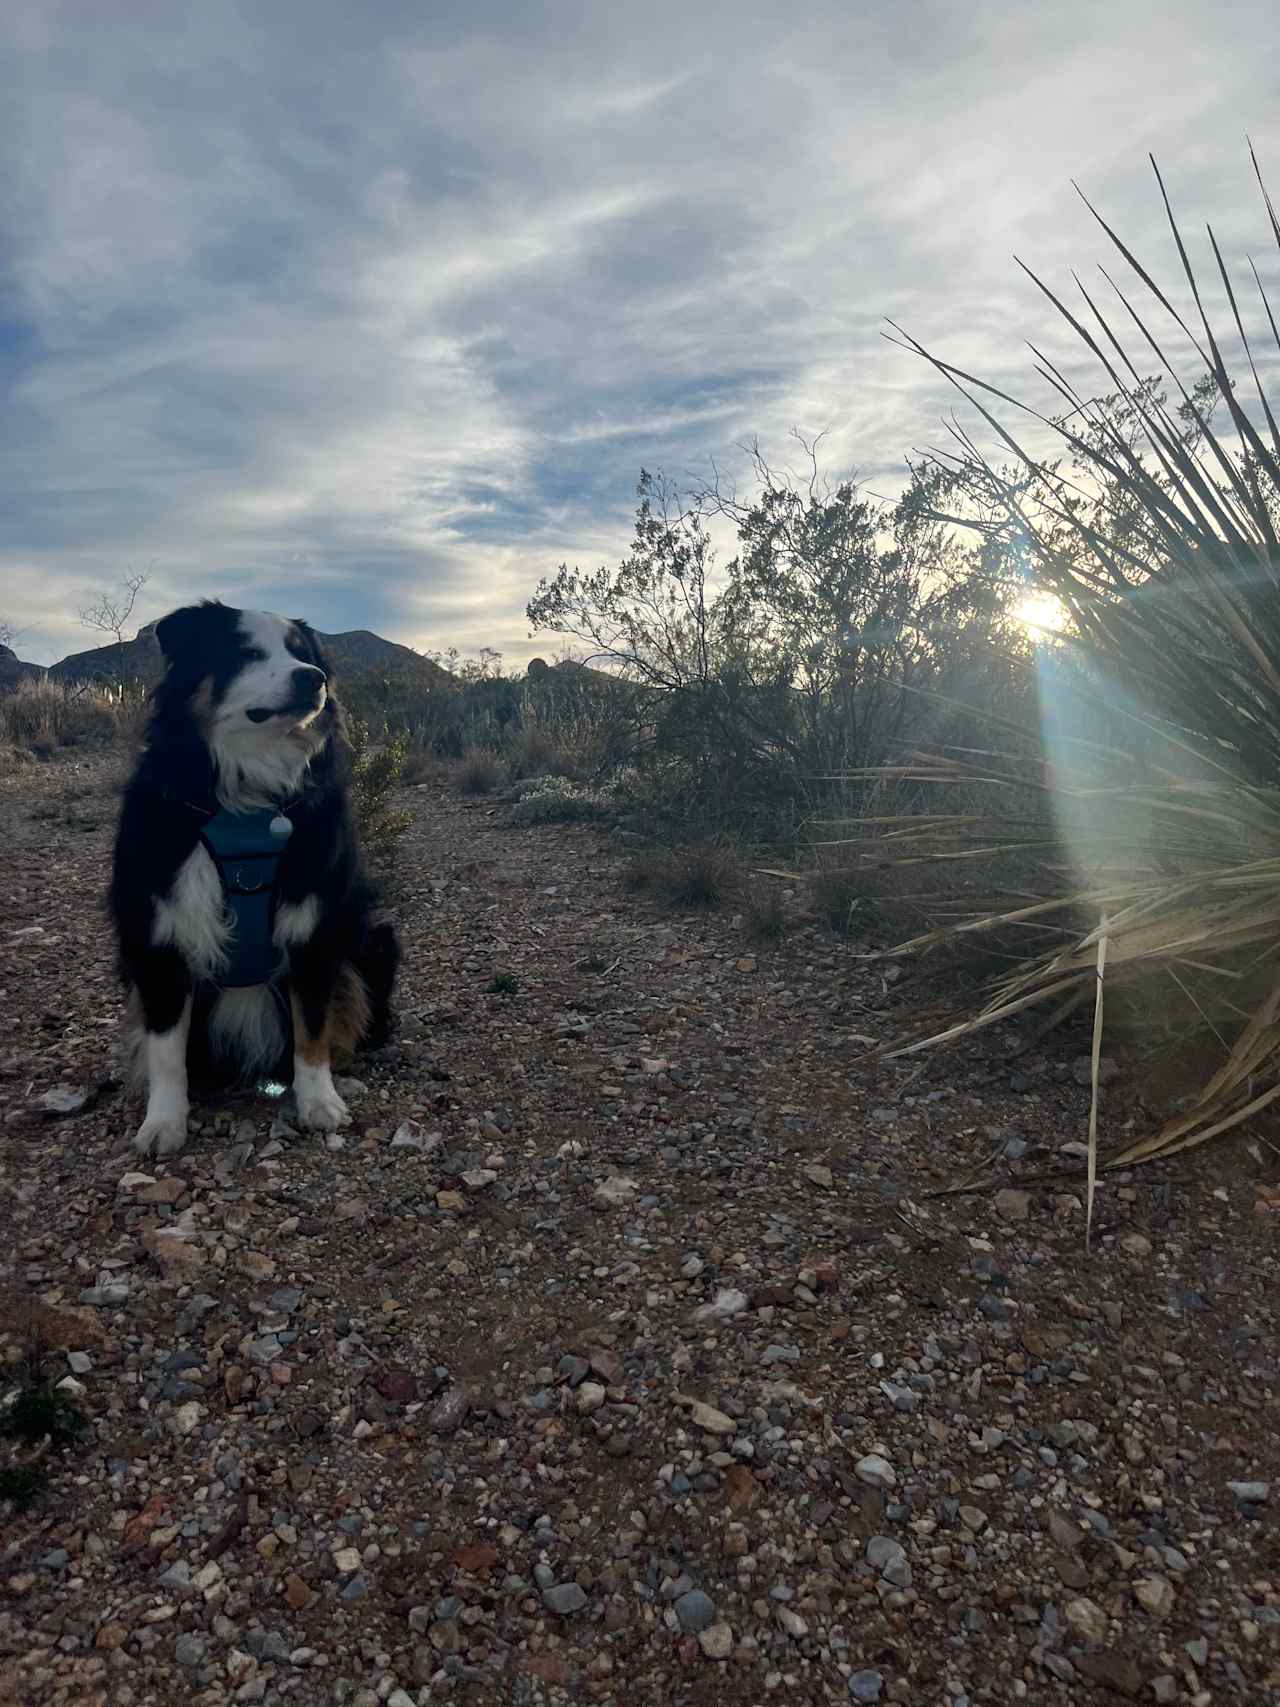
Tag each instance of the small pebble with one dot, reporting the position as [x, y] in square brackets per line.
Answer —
[695, 1610]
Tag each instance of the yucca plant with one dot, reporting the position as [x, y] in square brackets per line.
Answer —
[1155, 532]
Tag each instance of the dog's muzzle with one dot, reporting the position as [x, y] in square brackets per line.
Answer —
[307, 694]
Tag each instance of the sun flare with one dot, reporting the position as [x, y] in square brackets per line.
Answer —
[1042, 615]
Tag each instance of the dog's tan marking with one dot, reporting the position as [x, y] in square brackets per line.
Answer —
[314, 1051]
[319, 1105]
[349, 1012]
[344, 1025]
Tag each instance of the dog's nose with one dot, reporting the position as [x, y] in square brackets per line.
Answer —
[308, 680]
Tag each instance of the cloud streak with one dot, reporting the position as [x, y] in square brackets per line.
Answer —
[374, 314]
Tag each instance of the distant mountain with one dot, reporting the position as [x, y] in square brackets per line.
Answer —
[139, 660]
[356, 652]
[13, 670]
[569, 669]
[360, 649]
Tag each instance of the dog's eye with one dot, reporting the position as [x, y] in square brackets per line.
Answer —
[255, 655]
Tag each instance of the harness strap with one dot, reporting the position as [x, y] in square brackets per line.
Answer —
[246, 849]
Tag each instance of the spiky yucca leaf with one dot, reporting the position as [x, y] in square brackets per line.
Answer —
[1159, 539]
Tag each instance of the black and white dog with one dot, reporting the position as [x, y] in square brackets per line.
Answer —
[241, 908]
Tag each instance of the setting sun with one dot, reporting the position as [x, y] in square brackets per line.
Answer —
[1041, 614]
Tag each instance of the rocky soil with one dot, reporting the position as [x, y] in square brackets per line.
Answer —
[628, 1349]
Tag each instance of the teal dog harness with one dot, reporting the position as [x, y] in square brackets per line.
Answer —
[246, 848]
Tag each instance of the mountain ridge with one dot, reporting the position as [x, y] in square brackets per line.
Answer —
[139, 660]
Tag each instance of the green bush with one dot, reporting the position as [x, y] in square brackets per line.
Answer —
[35, 1419]
[377, 772]
[38, 1411]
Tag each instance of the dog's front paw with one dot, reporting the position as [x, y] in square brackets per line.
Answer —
[321, 1109]
[163, 1134]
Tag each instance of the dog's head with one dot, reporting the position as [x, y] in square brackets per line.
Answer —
[258, 690]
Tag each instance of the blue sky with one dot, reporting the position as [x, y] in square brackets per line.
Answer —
[372, 314]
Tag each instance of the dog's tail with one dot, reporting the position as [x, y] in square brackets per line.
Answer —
[377, 961]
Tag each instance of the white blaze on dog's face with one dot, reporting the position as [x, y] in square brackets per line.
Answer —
[262, 731]
[259, 688]
[279, 683]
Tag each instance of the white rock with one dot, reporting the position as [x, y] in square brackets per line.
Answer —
[591, 1395]
[707, 1417]
[134, 1182]
[1250, 1493]
[615, 1191]
[1154, 1595]
[791, 1622]
[727, 1302]
[187, 1418]
[1087, 1619]
[63, 1099]
[716, 1641]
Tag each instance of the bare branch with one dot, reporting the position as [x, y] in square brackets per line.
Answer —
[112, 615]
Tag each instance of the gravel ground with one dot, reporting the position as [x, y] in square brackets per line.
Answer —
[626, 1351]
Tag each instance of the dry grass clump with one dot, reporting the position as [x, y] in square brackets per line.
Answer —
[700, 878]
[479, 772]
[44, 716]
[764, 912]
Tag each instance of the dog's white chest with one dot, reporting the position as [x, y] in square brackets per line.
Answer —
[193, 916]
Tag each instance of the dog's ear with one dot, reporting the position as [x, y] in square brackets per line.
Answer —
[179, 632]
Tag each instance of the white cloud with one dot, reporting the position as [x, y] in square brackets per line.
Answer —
[375, 313]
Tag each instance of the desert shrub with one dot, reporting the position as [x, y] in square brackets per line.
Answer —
[421, 765]
[36, 1421]
[376, 775]
[408, 699]
[44, 716]
[595, 721]
[843, 629]
[678, 796]
[700, 878]
[838, 895]
[39, 1409]
[560, 800]
[479, 772]
[764, 911]
[534, 750]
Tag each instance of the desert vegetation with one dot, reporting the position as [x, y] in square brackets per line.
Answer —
[1033, 698]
